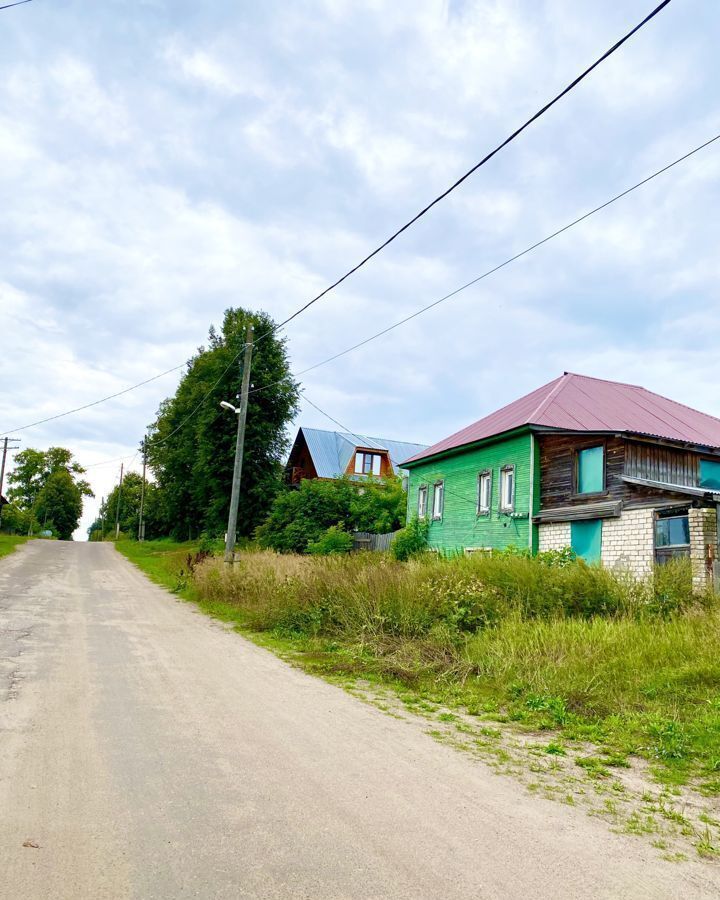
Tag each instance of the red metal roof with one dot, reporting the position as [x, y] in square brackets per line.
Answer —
[579, 403]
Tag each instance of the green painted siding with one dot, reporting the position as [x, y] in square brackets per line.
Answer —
[461, 526]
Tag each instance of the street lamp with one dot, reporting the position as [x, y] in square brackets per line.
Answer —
[226, 405]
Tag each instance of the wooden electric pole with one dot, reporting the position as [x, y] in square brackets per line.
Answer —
[239, 447]
[117, 507]
[141, 524]
[8, 444]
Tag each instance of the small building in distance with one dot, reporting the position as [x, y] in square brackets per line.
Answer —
[323, 454]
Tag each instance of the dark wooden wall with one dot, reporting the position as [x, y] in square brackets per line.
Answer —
[660, 463]
[557, 470]
[300, 464]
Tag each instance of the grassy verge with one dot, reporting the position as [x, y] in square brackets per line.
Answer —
[569, 651]
[8, 542]
[590, 689]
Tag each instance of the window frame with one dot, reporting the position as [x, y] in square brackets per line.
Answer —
[484, 510]
[670, 551]
[422, 492]
[576, 469]
[437, 517]
[502, 506]
[371, 455]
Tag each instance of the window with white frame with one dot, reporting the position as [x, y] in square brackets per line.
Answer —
[484, 498]
[438, 499]
[507, 489]
[422, 501]
[367, 463]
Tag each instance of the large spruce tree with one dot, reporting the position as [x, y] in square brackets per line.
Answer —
[191, 444]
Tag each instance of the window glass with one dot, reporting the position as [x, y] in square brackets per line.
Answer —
[591, 470]
[359, 458]
[422, 501]
[376, 460]
[507, 487]
[438, 500]
[710, 474]
[672, 532]
[484, 492]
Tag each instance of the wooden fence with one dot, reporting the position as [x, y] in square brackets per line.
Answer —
[363, 540]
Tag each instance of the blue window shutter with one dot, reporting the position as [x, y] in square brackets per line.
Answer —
[586, 539]
[710, 474]
[591, 470]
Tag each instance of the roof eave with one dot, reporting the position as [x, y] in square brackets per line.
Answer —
[463, 448]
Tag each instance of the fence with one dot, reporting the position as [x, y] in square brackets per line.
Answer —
[363, 540]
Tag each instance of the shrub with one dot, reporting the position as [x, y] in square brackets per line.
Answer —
[334, 540]
[299, 516]
[411, 540]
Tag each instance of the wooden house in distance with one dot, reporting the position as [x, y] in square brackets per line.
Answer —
[620, 474]
[333, 454]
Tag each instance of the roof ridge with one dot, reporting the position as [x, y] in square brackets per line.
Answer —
[560, 383]
[608, 381]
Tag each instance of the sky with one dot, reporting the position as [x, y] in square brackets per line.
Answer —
[163, 160]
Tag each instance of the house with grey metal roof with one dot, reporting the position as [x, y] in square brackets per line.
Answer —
[317, 453]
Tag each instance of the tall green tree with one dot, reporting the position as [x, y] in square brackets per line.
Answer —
[129, 509]
[47, 486]
[59, 504]
[191, 444]
[33, 468]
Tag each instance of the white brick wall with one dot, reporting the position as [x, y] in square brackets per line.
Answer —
[553, 536]
[628, 542]
[703, 531]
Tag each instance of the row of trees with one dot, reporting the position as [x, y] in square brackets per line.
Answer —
[46, 491]
[190, 452]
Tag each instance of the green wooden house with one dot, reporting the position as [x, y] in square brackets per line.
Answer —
[620, 474]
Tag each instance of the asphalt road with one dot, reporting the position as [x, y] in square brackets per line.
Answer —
[151, 753]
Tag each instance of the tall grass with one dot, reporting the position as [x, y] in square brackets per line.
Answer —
[632, 665]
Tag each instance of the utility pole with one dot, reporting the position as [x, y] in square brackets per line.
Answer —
[8, 444]
[117, 508]
[102, 515]
[239, 447]
[141, 524]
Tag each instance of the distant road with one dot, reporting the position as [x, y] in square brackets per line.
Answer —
[150, 753]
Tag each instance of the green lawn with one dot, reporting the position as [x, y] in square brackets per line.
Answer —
[8, 542]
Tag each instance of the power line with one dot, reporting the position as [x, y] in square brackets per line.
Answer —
[395, 325]
[485, 159]
[501, 265]
[397, 233]
[19, 3]
[455, 292]
[362, 443]
[70, 412]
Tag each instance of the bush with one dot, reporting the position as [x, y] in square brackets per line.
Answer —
[334, 540]
[411, 540]
[300, 516]
[15, 521]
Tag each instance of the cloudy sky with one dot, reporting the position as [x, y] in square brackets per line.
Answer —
[162, 160]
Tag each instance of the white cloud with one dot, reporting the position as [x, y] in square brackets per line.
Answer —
[164, 166]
